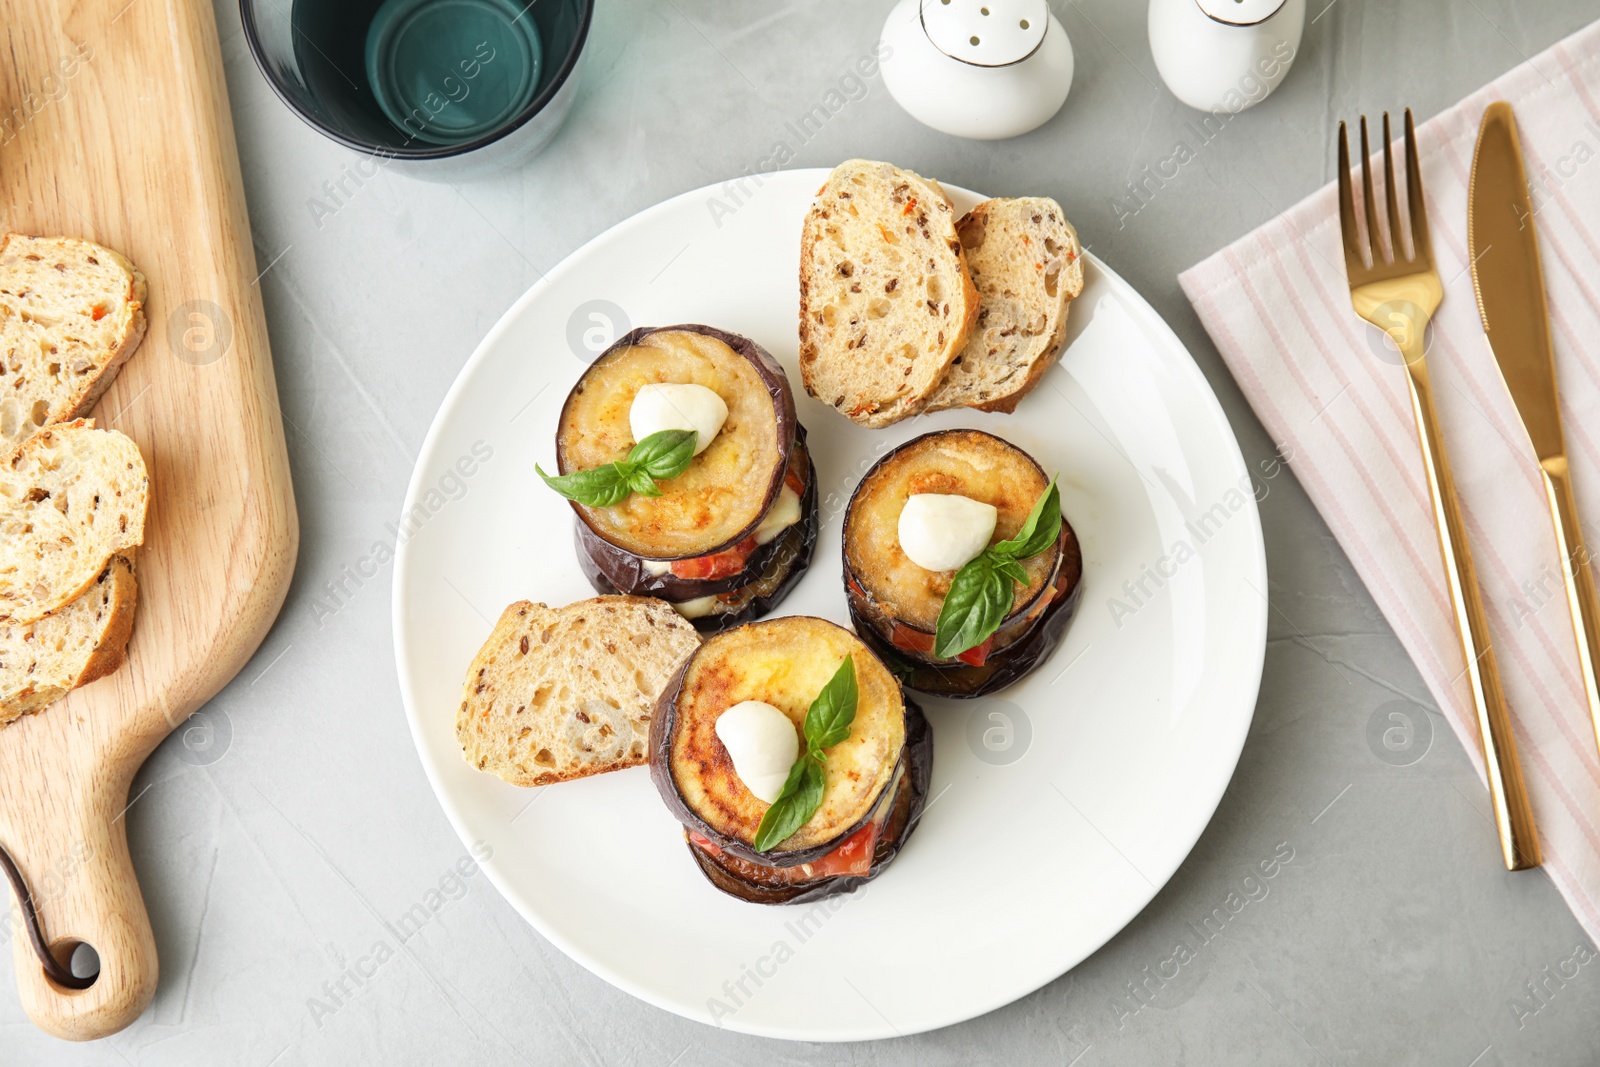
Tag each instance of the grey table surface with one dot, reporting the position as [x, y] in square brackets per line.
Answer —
[271, 859]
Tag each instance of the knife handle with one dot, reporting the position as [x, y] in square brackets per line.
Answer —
[1513, 814]
[1581, 599]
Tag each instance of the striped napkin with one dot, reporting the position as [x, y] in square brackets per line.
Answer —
[1332, 389]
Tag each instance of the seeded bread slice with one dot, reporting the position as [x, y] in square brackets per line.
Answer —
[561, 693]
[71, 497]
[40, 663]
[885, 299]
[71, 313]
[1028, 267]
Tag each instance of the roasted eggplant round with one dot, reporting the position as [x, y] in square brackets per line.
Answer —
[728, 538]
[730, 487]
[895, 603]
[875, 780]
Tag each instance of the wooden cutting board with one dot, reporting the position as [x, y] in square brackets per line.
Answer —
[114, 125]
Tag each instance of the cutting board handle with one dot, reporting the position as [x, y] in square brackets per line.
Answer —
[73, 851]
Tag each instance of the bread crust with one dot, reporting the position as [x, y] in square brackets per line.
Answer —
[111, 651]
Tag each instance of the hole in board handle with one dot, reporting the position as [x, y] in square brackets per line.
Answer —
[77, 960]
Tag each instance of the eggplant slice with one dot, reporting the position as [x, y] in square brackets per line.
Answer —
[895, 604]
[878, 776]
[730, 487]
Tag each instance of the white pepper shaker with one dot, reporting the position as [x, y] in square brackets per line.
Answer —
[984, 69]
[1225, 55]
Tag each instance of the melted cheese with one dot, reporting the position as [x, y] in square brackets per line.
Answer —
[784, 514]
[698, 608]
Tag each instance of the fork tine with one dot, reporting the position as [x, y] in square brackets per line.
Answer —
[1421, 243]
[1369, 201]
[1390, 196]
[1353, 261]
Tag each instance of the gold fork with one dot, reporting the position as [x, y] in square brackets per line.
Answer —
[1398, 293]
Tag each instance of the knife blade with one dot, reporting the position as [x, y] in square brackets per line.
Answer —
[1508, 279]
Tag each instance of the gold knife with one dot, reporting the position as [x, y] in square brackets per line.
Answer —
[1510, 287]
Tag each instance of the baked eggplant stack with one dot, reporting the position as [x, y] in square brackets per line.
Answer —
[978, 608]
[727, 536]
[792, 758]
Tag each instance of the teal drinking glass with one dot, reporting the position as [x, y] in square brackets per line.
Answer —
[445, 88]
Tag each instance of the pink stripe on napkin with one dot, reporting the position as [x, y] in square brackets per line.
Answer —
[1331, 390]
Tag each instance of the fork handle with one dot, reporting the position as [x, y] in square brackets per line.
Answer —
[1513, 815]
[1579, 581]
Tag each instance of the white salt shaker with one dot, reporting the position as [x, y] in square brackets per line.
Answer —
[984, 69]
[1225, 55]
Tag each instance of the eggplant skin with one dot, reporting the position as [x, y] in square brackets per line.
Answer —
[733, 680]
[770, 374]
[625, 572]
[910, 800]
[1003, 668]
[799, 539]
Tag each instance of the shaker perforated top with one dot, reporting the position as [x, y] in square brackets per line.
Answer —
[986, 33]
[1240, 12]
[447, 71]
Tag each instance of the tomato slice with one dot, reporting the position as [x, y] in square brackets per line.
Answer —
[703, 842]
[852, 857]
[977, 654]
[911, 640]
[719, 564]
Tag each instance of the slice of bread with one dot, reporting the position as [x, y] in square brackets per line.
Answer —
[71, 313]
[1028, 266]
[885, 299]
[70, 498]
[40, 663]
[561, 693]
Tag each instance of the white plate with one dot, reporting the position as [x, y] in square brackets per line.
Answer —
[1029, 856]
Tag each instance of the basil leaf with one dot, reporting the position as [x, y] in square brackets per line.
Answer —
[830, 715]
[979, 599]
[1012, 569]
[1039, 531]
[599, 488]
[641, 482]
[665, 453]
[800, 799]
